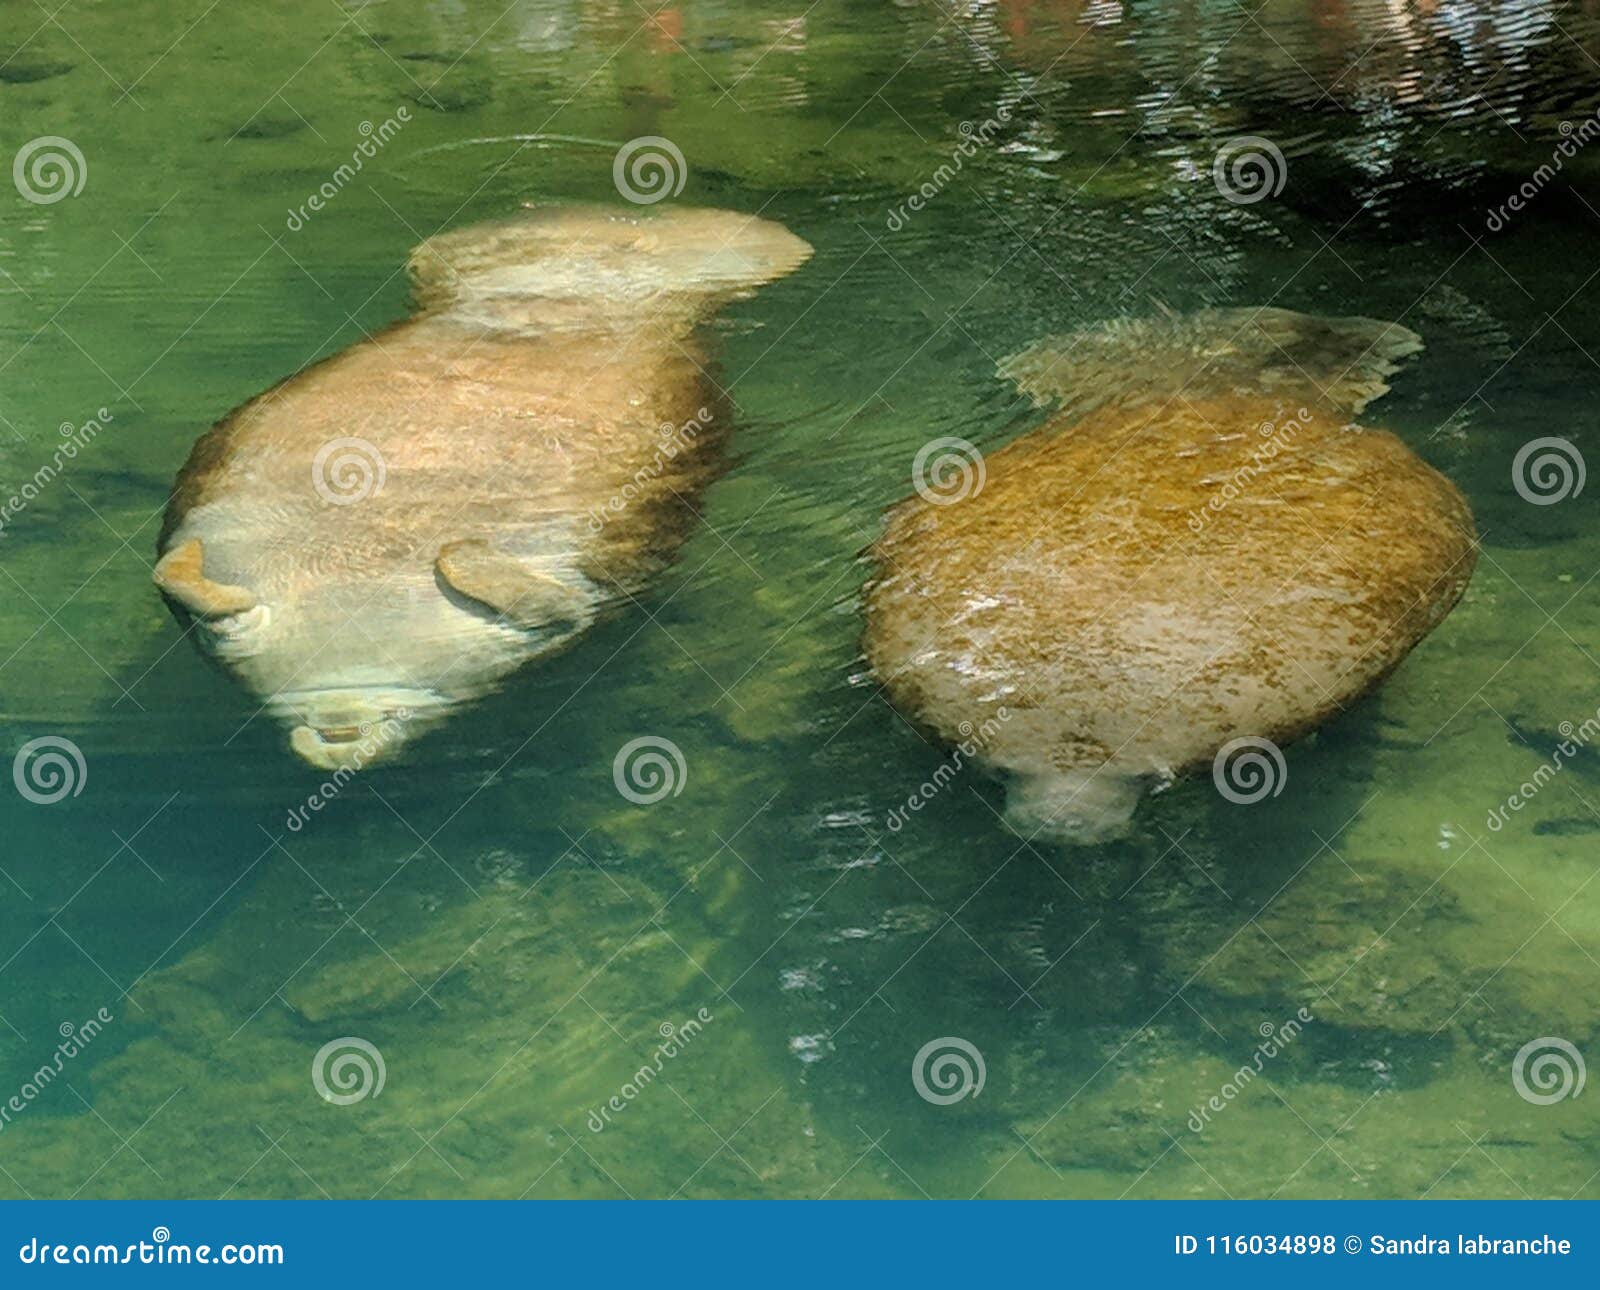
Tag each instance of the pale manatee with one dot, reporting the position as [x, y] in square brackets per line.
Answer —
[1198, 548]
[393, 530]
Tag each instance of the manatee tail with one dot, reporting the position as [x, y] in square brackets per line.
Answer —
[576, 264]
[1341, 364]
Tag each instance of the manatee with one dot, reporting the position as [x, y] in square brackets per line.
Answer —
[392, 531]
[1200, 546]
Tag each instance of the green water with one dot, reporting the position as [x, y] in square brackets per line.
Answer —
[508, 931]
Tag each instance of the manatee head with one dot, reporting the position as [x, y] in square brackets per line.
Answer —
[357, 667]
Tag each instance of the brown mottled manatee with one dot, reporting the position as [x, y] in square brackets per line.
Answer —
[393, 530]
[1200, 547]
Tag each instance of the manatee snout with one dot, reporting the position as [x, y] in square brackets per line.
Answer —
[350, 729]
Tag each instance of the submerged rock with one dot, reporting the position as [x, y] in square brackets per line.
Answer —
[1198, 549]
[19, 69]
[269, 125]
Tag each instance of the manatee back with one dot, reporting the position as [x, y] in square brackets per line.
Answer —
[1143, 585]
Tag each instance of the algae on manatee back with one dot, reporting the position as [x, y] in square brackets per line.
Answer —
[1198, 551]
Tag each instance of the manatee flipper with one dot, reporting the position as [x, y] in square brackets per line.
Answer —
[1076, 806]
[522, 596]
[180, 573]
[1339, 364]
